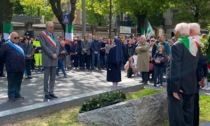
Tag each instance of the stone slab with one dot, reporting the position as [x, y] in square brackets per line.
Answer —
[38, 109]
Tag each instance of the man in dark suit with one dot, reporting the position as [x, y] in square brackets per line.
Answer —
[50, 52]
[181, 77]
[11, 52]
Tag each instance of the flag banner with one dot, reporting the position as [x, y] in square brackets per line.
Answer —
[69, 32]
[7, 29]
[150, 31]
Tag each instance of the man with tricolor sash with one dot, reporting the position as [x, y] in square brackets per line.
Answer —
[12, 53]
[201, 69]
[50, 51]
[182, 78]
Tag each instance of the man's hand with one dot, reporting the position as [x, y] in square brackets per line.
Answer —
[202, 82]
[54, 56]
[176, 95]
[63, 52]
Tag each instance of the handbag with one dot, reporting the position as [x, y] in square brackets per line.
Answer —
[151, 66]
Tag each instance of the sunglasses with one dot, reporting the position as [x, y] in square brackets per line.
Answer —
[16, 38]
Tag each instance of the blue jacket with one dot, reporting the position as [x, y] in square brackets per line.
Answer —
[95, 46]
[15, 62]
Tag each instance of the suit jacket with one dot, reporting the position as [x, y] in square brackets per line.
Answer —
[181, 72]
[48, 50]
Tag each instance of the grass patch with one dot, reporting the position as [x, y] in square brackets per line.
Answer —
[68, 117]
[204, 108]
[142, 93]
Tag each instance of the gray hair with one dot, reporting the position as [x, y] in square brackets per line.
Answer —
[183, 29]
[48, 23]
[143, 36]
[195, 27]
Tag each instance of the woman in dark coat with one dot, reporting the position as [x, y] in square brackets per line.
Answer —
[114, 63]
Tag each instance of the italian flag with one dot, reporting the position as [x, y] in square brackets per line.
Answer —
[190, 44]
[69, 32]
[7, 29]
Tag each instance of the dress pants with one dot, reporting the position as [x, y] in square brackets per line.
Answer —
[145, 77]
[1, 68]
[49, 73]
[181, 111]
[196, 109]
[14, 84]
[86, 61]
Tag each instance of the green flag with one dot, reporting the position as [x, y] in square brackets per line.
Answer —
[7, 29]
[149, 31]
[69, 32]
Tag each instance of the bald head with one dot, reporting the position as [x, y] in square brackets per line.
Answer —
[50, 26]
[14, 37]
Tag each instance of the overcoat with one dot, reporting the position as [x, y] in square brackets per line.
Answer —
[143, 57]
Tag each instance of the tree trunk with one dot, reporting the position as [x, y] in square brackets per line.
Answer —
[56, 7]
[6, 12]
[141, 23]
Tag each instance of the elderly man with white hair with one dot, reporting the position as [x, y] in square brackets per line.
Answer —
[143, 59]
[201, 69]
[181, 77]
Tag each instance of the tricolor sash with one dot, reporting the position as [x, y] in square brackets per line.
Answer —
[16, 47]
[50, 39]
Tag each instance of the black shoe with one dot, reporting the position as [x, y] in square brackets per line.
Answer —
[47, 97]
[19, 97]
[141, 81]
[12, 99]
[53, 96]
[65, 76]
[2, 75]
[28, 77]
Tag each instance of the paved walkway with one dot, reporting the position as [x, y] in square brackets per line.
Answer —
[78, 82]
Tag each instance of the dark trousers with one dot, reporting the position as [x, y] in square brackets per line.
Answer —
[158, 74]
[86, 61]
[1, 68]
[181, 111]
[28, 67]
[75, 58]
[103, 60]
[145, 77]
[14, 84]
[60, 67]
[196, 110]
[97, 56]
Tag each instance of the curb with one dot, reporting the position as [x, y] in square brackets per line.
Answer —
[38, 109]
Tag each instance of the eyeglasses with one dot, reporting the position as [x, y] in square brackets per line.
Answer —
[15, 37]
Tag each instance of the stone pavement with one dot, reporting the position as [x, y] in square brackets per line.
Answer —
[78, 82]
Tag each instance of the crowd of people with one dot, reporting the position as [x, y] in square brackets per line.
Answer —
[179, 57]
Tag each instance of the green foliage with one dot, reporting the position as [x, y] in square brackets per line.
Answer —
[103, 100]
[97, 11]
[18, 8]
[142, 93]
[192, 11]
[37, 8]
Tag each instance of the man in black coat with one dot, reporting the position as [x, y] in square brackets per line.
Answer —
[181, 78]
[12, 53]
